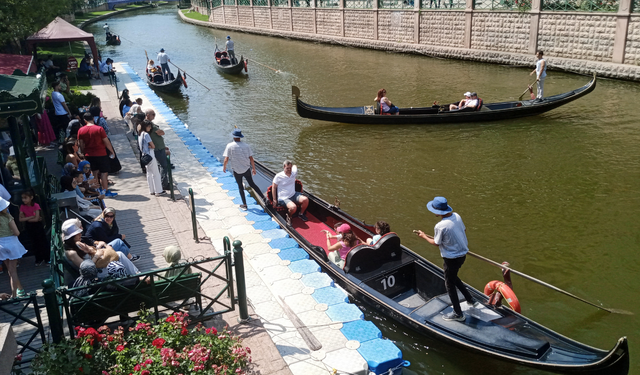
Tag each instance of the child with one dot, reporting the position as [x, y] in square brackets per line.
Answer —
[31, 215]
[10, 247]
[337, 236]
[345, 244]
[382, 228]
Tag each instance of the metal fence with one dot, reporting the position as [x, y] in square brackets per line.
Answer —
[24, 316]
[279, 3]
[581, 5]
[396, 4]
[443, 4]
[358, 4]
[229, 2]
[516, 5]
[260, 3]
[244, 2]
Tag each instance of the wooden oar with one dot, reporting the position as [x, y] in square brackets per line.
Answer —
[266, 66]
[530, 278]
[528, 89]
[185, 73]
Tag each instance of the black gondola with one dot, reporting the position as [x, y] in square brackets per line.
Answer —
[435, 114]
[157, 82]
[224, 64]
[410, 289]
[113, 40]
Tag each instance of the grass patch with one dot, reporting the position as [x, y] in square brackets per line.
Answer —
[195, 15]
[88, 16]
[60, 53]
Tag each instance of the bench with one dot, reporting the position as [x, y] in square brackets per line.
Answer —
[98, 307]
[365, 258]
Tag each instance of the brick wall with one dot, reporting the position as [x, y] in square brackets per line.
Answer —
[507, 31]
[632, 52]
[245, 16]
[261, 17]
[396, 26]
[442, 28]
[231, 15]
[586, 37]
[281, 18]
[329, 22]
[359, 24]
[303, 20]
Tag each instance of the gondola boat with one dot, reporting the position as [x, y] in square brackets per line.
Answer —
[370, 114]
[172, 85]
[113, 40]
[224, 64]
[410, 289]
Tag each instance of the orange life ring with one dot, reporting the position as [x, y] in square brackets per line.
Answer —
[245, 65]
[184, 79]
[508, 294]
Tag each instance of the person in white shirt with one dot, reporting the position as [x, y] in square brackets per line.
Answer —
[541, 74]
[164, 60]
[229, 48]
[107, 69]
[284, 188]
[240, 158]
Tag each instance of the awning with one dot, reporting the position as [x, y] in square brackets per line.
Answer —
[22, 94]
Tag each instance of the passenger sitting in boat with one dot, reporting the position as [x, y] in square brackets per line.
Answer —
[345, 244]
[337, 236]
[385, 104]
[467, 96]
[382, 228]
[157, 76]
[151, 67]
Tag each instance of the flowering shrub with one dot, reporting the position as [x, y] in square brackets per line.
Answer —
[166, 348]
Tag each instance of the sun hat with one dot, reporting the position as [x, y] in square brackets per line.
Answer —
[11, 151]
[237, 134]
[228, 36]
[161, 49]
[344, 228]
[3, 204]
[439, 206]
[468, 93]
[70, 231]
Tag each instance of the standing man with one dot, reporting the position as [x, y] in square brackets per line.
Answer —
[94, 144]
[449, 235]
[229, 48]
[242, 164]
[541, 74]
[106, 28]
[63, 115]
[284, 188]
[161, 151]
[163, 60]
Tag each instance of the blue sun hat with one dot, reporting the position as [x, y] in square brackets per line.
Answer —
[237, 134]
[439, 206]
[228, 36]
[161, 49]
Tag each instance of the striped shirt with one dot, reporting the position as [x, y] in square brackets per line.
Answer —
[238, 154]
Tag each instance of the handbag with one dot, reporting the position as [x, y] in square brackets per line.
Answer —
[145, 159]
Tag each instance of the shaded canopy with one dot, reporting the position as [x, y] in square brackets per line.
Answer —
[60, 30]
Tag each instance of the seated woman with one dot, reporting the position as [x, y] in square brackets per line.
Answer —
[345, 244]
[71, 152]
[381, 228]
[88, 180]
[151, 68]
[68, 183]
[77, 250]
[104, 228]
[123, 100]
[385, 104]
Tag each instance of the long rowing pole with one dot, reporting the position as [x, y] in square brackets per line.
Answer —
[616, 311]
[185, 73]
[266, 66]
[528, 89]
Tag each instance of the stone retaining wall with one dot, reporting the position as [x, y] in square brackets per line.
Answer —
[494, 37]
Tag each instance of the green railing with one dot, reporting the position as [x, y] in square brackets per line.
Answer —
[229, 2]
[301, 3]
[244, 2]
[581, 5]
[260, 3]
[23, 314]
[443, 4]
[516, 5]
[635, 6]
[216, 3]
[358, 4]
[279, 3]
[396, 4]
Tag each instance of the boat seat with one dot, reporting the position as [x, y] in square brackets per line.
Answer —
[225, 61]
[280, 209]
[365, 258]
[334, 257]
[479, 106]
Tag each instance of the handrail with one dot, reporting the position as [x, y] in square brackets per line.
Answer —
[194, 222]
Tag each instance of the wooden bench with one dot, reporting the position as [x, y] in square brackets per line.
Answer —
[98, 307]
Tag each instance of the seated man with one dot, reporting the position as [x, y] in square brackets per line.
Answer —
[51, 69]
[467, 96]
[284, 188]
[107, 69]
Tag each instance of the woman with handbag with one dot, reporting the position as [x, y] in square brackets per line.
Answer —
[148, 159]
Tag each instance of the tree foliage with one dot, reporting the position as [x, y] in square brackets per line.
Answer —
[21, 18]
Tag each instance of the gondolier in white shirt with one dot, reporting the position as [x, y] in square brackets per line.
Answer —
[541, 74]
[164, 60]
[229, 48]
[240, 158]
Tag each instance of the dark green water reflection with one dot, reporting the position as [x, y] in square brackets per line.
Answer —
[555, 195]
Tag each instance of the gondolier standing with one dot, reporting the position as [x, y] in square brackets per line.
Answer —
[450, 236]
[229, 48]
[240, 156]
[541, 74]
[163, 60]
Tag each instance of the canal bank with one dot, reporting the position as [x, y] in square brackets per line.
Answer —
[601, 68]
[277, 268]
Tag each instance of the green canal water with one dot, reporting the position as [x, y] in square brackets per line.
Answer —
[556, 195]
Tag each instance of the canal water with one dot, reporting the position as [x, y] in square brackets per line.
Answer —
[556, 195]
